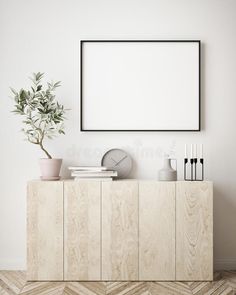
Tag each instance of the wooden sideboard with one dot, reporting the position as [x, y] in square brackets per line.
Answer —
[127, 230]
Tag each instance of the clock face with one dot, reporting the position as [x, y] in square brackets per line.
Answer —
[119, 160]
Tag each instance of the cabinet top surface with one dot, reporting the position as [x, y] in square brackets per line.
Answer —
[120, 180]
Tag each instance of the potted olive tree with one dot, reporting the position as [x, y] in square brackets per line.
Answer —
[43, 118]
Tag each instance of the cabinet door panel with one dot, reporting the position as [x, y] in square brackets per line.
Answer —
[156, 230]
[82, 230]
[45, 231]
[194, 231]
[120, 230]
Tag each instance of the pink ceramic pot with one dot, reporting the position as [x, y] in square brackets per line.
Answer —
[50, 168]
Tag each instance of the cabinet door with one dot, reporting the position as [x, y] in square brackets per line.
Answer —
[82, 230]
[194, 232]
[120, 230]
[156, 230]
[45, 231]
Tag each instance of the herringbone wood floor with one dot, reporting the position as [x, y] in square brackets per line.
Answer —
[14, 282]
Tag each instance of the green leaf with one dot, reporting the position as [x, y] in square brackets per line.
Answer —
[39, 87]
[57, 84]
[38, 76]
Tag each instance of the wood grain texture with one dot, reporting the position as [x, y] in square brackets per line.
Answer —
[82, 244]
[194, 231]
[14, 282]
[43, 288]
[85, 288]
[156, 230]
[120, 230]
[127, 288]
[45, 230]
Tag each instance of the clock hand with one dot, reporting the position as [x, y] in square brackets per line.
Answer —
[113, 160]
[120, 160]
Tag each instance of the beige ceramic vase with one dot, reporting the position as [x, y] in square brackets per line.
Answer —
[50, 168]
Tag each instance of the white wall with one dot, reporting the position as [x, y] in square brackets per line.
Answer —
[44, 36]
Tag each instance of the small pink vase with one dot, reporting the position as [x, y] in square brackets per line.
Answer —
[50, 168]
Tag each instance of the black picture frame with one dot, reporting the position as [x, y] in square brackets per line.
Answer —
[140, 130]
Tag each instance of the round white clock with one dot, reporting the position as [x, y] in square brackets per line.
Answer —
[119, 160]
